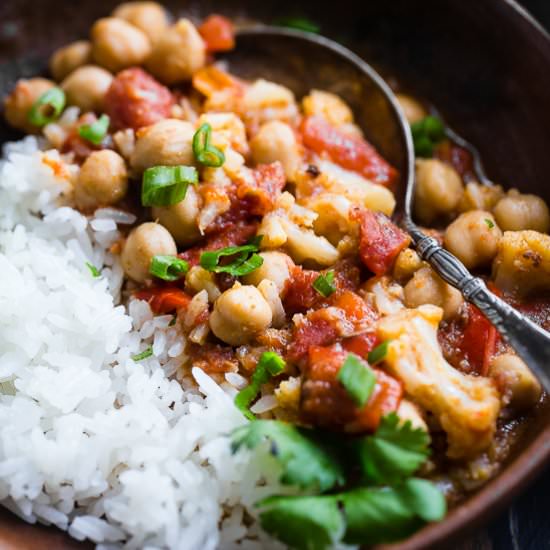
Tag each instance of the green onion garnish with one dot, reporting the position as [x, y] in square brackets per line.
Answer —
[168, 268]
[144, 354]
[93, 270]
[95, 132]
[324, 284]
[245, 262]
[173, 321]
[47, 107]
[490, 223]
[426, 134]
[204, 151]
[167, 185]
[300, 23]
[358, 379]
[270, 364]
[378, 353]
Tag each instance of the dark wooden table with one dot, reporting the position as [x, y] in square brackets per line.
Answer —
[526, 524]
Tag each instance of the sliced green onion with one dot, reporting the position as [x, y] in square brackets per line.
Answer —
[490, 223]
[300, 23]
[324, 284]
[168, 268]
[167, 185]
[47, 107]
[93, 270]
[143, 355]
[204, 151]
[173, 321]
[95, 132]
[270, 364]
[378, 353]
[245, 262]
[358, 379]
[426, 134]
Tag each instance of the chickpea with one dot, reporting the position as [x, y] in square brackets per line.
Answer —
[438, 190]
[149, 17]
[473, 238]
[412, 109]
[406, 264]
[480, 197]
[518, 212]
[239, 313]
[86, 87]
[117, 45]
[178, 53]
[198, 279]
[102, 180]
[168, 143]
[329, 106]
[65, 60]
[521, 389]
[276, 141]
[18, 104]
[426, 287]
[181, 219]
[143, 243]
[276, 267]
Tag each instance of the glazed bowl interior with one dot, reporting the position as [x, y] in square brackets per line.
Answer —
[485, 65]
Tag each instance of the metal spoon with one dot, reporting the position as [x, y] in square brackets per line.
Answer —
[302, 62]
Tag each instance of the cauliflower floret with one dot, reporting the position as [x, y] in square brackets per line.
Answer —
[522, 263]
[467, 407]
[358, 190]
[227, 131]
[386, 294]
[289, 226]
[329, 106]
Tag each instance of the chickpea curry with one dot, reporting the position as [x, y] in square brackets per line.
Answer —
[265, 227]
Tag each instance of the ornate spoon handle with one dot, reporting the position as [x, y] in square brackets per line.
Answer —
[530, 342]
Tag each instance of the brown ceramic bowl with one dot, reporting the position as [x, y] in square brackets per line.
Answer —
[484, 64]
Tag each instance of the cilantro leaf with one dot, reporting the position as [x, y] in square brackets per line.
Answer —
[304, 523]
[306, 463]
[383, 515]
[394, 452]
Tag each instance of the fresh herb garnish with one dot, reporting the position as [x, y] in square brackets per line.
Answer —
[426, 134]
[490, 223]
[389, 507]
[378, 353]
[167, 185]
[173, 321]
[299, 23]
[270, 364]
[95, 132]
[358, 379]
[394, 452]
[93, 270]
[324, 284]
[168, 268]
[47, 107]
[144, 354]
[305, 462]
[245, 262]
[204, 151]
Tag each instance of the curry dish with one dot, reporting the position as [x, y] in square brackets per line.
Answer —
[263, 227]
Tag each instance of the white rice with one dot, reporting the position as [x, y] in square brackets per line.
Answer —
[110, 449]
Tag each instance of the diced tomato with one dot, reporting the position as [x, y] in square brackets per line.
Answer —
[235, 234]
[135, 99]
[326, 403]
[380, 240]
[260, 194]
[361, 344]
[322, 327]
[349, 151]
[218, 33]
[459, 158]
[164, 299]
